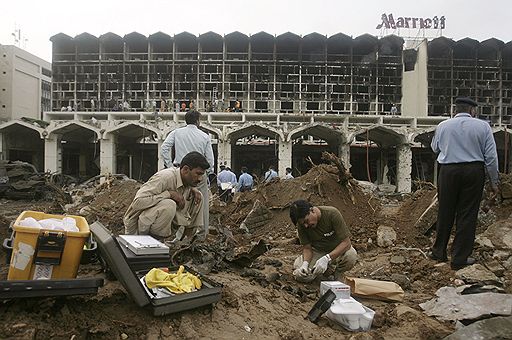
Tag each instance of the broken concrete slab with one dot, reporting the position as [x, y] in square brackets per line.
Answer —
[257, 217]
[490, 329]
[476, 273]
[495, 267]
[450, 306]
[479, 288]
[500, 234]
[483, 241]
[428, 218]
[386, 236]
[387, 188]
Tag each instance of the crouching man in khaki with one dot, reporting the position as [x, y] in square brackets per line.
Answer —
[168, 198]
[325, 239]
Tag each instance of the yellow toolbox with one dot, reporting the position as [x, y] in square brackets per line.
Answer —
[46, 253]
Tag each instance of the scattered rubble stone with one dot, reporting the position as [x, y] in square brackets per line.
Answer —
[476, 273]
[386, 236]
[496, 328]
[450, 306]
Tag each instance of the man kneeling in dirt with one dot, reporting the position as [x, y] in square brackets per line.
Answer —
[325, 238]
[168, 198]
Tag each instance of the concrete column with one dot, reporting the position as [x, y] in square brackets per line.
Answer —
[52, 155]
[3, 146]
[404, 168]
[108, 155]
[223, 153]
[160, 158]
[382, 169]
[344, 154]
[415, 85]
[284, 157]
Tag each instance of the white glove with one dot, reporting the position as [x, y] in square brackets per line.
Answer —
[321, 265]
[303, 270]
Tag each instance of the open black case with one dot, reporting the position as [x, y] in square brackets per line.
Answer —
[116, 259]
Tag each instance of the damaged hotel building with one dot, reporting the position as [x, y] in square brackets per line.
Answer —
[265, 100]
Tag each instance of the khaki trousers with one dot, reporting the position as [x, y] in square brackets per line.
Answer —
[158, 219]
[203, 188]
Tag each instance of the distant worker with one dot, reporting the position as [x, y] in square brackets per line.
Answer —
[227, 181]
[237, 106]
[394, 110]
[325, 240]
[466, 150]
[187, 139]
[270, 174]
[162, 105]
[93, 105]
[183, 107]
[288, 173]
[169, 198]
[245, 181]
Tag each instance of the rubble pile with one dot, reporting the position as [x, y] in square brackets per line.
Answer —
[251, 249]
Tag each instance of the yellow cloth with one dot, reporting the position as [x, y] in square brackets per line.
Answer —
[178, 283]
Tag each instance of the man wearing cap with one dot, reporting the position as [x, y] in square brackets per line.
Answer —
[466, 150]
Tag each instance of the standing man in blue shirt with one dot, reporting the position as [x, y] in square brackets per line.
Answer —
[466, 150]
[245, 181]
[187, 139]
[270, 174]
[227, 181]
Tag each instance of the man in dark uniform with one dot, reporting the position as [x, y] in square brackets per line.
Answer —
[466, 150]
[325, 238]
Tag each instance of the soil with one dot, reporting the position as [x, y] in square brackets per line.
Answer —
[260, 299]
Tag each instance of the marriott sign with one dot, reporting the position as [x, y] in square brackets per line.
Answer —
[403, 22]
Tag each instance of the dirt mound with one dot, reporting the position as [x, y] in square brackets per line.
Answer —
[320, 186]
[106, 203]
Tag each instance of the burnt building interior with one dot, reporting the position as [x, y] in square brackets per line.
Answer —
[277, 84]
[263, 73]
[480, 70]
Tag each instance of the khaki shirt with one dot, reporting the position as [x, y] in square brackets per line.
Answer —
[153, 191]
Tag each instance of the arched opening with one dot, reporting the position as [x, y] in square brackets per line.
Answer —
[309, 143]
[254, 147]
[80, 149]
[22, 143]
[374, 157]
[136, 151]
[423, 158]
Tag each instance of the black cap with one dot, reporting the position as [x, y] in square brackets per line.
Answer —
[466, 100]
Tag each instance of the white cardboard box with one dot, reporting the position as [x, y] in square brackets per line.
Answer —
[143, 244]
[341, 290]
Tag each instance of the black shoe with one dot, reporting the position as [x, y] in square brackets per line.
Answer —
[431, 256]
[469, 262]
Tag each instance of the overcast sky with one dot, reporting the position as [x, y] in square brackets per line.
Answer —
[39, 20]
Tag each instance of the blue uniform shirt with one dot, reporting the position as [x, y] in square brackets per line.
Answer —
[245, 180]
[466, 139]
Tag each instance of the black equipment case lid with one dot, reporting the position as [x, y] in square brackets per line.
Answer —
[40, 288]
[111, 252]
